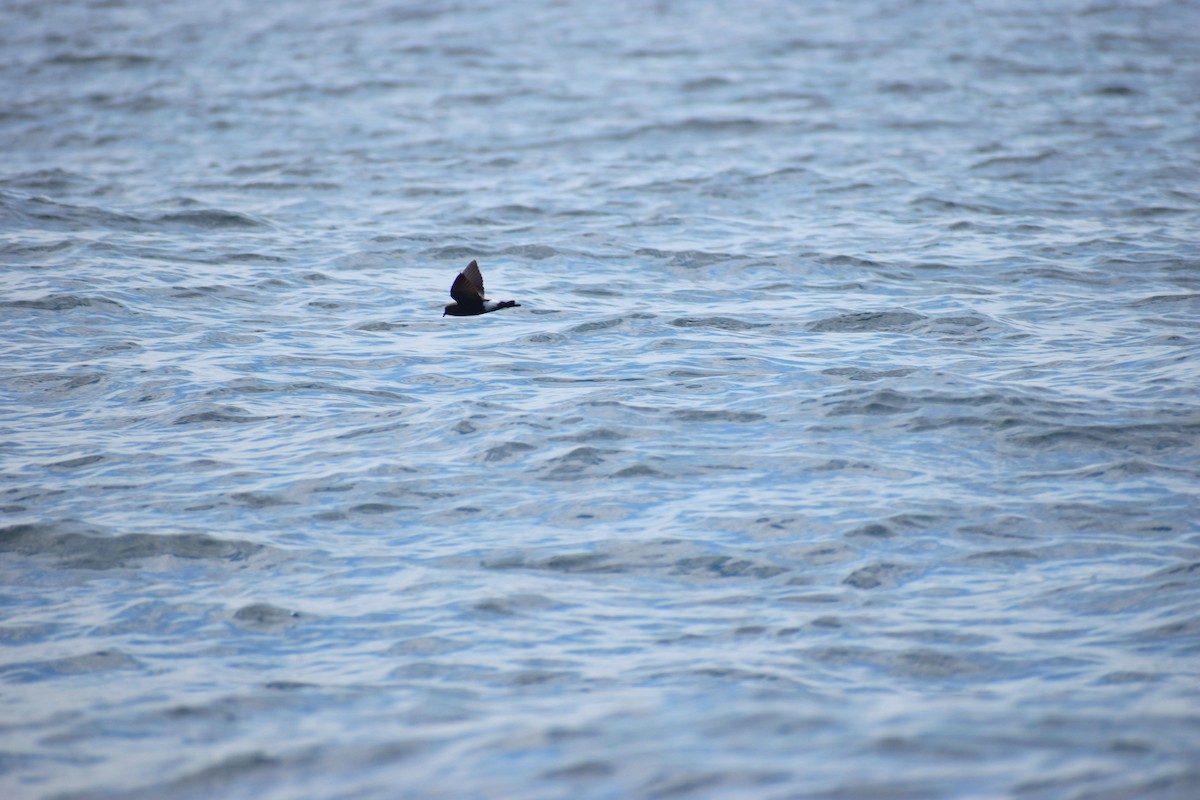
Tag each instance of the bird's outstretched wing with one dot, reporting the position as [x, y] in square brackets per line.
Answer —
[468, 286]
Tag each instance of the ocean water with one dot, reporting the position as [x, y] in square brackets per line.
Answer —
[846, 442]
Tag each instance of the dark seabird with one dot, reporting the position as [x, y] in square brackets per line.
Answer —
[467, 292]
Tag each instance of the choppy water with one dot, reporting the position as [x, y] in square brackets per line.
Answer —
[845, 443]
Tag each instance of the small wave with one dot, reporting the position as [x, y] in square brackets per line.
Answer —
[1146, 438]
[253, 258]
[379, 508]
[718, 323]
[639, 471]
[537, 252]
[686, 258]
[455, 252]
[219, 417]
[660, 52]
[600, 434]
[211, 218]
[706, 415]
[883, 401]
[42, 213]
[1080, 275]
[544, 338]
[804, 43]
[872, 530]
[843, 260]
[32, 250]
[995, 410]
[1116, 90]
[518, 604]
[251, 766]
[914, 87]
[76, 546]
[673, 557]
[879, 575]
[785, 175]
[509, 451]
[584, 456]
[557, 379]
[259, 500]
[277, 186]
[121, 60]
[255, 386]
[961, 325]
[706, 83]
[1167, 301]
[860, 374]
[869, 321]
[77, 463]
[264, 618]
[723, 566]
[1122, 470]
[382, 327]
[1015, 161]
[918, 664]
[598, 325]
[590, 463]
[370, 431]
[55, 383]
[940, 204]
[515, 210]
[1007, 558]
[46, 180]
[63, 302]
[1151, 212]
[91, 663]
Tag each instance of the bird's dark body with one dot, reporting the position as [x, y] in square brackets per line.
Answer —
[467, 292]
[471, 309]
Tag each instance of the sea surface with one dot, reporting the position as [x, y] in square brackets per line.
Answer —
[845, 444]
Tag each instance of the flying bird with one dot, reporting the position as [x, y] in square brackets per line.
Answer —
[467, 292]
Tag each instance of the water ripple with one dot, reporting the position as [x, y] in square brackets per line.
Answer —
[850, 401]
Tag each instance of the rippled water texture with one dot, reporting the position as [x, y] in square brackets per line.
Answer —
[845, 443]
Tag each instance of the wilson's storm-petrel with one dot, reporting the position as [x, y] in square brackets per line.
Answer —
[467, 292]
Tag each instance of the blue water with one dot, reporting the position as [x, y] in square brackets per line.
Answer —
[846, 442]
